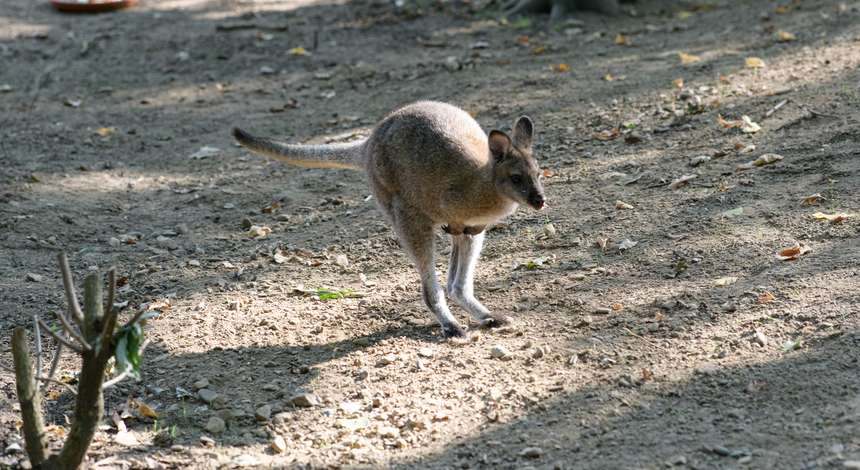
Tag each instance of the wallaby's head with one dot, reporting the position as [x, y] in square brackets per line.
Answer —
[515, 171]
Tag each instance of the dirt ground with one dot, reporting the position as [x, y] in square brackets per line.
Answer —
[658, 331]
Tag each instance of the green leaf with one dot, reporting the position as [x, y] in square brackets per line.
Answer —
[329, 294]
[127, 352]
[521, 23]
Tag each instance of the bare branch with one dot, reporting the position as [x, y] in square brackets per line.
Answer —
[111, 289]
[38, 342]
[124, 373]
[60, 339]
[71, 297]
[73, 332]
[30, 400]
[109, 324]
[55, 362]
[135, 318]
[63, 384]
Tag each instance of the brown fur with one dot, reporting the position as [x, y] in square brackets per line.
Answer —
[431, 164]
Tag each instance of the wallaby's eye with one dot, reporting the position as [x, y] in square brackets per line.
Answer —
[517, 179]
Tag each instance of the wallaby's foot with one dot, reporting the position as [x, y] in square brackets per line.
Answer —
[453, 330]
[495, 320]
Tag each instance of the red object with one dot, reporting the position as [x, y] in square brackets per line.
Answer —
[91, 6]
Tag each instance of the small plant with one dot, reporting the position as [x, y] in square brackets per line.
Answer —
[332, 294]
[92, 333]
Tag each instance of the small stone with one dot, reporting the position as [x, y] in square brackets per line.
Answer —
[350, 407]
[425, 352]
[182, 228]
[696, 161]
[216, 425]
[229, 205]
[194, 262]
[207, 441]
[207, 395]
[386, 360]
[537, 353]
[602, 310]
[182, 56]
[760, 338]
[721, 450]
[33, 277]
[263, 413]
[279, 445]
[677, 460]
[352, 424]
[266, 70]
[633, 137]
[388, 431]
[341, 260]
[305, 400]
[202, 383]
[500, 352]
[852, 464]
[531, 453]
[114, 242]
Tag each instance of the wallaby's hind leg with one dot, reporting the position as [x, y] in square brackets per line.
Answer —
[462, 290]
[416, 235]
[453, 265]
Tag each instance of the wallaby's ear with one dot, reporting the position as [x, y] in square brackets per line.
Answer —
[500, 144]
[523, 132]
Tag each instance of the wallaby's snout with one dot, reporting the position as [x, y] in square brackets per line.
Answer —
[537, 200]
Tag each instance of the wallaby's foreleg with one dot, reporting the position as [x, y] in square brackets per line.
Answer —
[453, 265]
[468, 249]
[416, 235]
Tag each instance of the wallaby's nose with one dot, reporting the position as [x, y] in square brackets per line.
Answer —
[537, 201]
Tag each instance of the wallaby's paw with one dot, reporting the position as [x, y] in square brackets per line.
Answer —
[495, 320]
[453, 331]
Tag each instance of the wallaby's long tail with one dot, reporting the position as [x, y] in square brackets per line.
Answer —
[346, 156]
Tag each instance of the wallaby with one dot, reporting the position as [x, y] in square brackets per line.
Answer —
[430, 164]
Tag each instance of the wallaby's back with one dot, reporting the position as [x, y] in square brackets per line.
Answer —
[436, 158]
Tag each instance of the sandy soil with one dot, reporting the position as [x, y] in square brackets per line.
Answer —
[663, 333]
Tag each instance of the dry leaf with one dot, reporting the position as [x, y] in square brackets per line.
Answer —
[785, 36]
[726, 281]
[647, 374]
[298, 51]
[105, 131]
[274, 206]
[754, 63]
[687, 59]
[728, 124]
[146, 411]
[682, 181]
[766, 297]
[561, 67]
[607, 134]
[621, 205]
[258, 231]
[832, 218]
[765, 159]
[748, 126]
[548, 173]
[678, 82]
[626, 244]
[523, 40]
[684, 14]
[790, 254]
[617, 307]
[813, 199]
[538, 50]
[782, 9]
[608, 77]
[622, 40]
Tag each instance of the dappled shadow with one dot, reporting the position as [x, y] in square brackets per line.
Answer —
[670, 423]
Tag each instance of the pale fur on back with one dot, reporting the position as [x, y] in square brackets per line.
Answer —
[435, 157]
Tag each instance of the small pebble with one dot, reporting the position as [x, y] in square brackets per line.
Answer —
[279, 445]
[216, 425]
[531, 452]
[207, 395]
[263, 413]
[500, 352]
